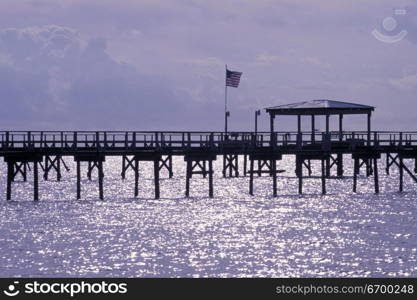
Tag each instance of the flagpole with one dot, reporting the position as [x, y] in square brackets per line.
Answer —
[225, 101]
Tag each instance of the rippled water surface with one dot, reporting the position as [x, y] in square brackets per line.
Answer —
[233, 234]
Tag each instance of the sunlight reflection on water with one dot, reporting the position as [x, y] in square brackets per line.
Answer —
[233, 234]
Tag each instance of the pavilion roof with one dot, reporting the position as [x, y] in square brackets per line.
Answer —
[320, 107]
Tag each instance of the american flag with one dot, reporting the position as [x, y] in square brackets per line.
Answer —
[232, 78]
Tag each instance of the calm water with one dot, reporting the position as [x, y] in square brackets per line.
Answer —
[340, 234]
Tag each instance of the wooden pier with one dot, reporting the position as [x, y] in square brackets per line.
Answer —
[25, 151]
[48, 152]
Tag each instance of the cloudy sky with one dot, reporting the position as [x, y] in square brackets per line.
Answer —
[160, 64]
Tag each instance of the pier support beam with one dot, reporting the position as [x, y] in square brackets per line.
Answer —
[368, 166]
[94, 160]
[230, 165]
[300, 162]
[18, 163]
[245, 164]
[127, 163]
[368, 157]
[53, 163]
[20, 168]
[199, 167]
[147, 156]
[390, 160]
[166, 162]
[334, 160]
[264, 156]
[196, 164]
[402, 155]
[130, 163]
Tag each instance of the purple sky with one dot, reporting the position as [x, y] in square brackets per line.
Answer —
[159, 65]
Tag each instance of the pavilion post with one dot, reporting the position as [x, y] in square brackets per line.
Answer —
[299, 134]
[257, 113]
[369, 129]
[340, 155]
[340, 127]
[313, 130]
[272, 116]
[328, 139]
[327, 124]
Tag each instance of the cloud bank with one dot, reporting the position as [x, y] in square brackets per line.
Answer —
[159, 65]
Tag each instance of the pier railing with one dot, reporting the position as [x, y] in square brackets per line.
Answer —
[176, 139]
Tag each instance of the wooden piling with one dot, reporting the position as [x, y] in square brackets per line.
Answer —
[204, 167]
[245, 164]
[171, 173]
[327, 167]
[339, 164]
[259, 168]
[136, 170]
[401, 166]
[90, 170]
[100, 180]
[274, 176]
[300, 175]
[58, 171]
[251, 177]
[24, 171]
[187, 180]
[9, 180]
[78, 180]
[323, 175]
[35, 181]
[45, 176]
[376, 180]
[210, 163]
[156, 178]
[355, 173]
[224, 167]
[124, 164]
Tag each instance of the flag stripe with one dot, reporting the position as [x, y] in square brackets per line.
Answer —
[233, 78]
